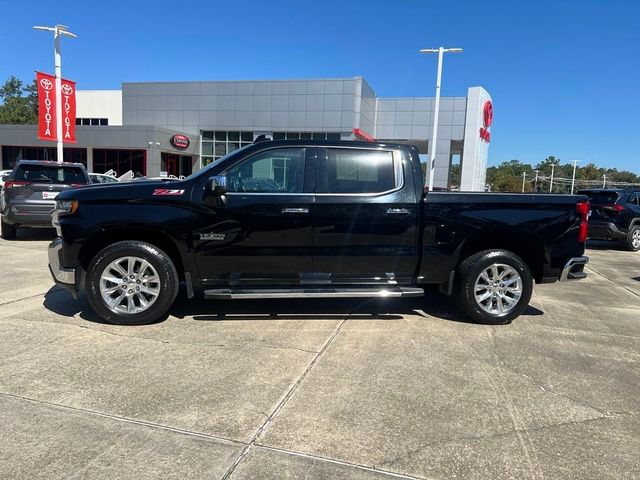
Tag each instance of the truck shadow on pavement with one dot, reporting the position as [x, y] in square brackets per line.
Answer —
[433, 304]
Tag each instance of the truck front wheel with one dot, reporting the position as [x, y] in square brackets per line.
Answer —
[494, 286]
[131, 283]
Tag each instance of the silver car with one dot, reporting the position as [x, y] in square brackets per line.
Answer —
[30, 190]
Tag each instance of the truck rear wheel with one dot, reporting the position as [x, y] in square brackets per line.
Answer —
[8, 231]
[131, 283]
[633, 238]
[494, 286]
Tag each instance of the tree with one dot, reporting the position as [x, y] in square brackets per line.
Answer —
[18, 104]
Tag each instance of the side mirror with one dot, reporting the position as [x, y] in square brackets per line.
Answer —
[218, 185]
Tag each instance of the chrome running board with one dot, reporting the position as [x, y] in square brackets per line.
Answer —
[328, 292]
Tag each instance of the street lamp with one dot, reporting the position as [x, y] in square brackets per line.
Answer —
[573, 179]
[436, 111]
[58, 30]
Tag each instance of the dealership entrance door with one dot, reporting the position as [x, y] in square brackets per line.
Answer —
[176, 165]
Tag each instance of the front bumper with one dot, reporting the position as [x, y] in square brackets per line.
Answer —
[574, 269]
[65, 277]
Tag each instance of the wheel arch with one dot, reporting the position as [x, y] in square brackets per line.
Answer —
[161, 240]
[527, 246]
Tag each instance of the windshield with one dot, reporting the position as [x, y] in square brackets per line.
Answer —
[57, 174]
[216, 162]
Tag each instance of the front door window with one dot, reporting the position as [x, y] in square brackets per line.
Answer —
[279, 170]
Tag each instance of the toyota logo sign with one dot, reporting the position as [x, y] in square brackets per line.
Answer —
[46, 84]
[180, 141]
[487, 120]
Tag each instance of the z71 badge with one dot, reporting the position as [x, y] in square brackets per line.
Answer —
[212, 236]
[167, 191]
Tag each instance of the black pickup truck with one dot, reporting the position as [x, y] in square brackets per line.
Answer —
[288, 219]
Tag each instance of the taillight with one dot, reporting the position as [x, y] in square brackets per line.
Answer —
[618, 208]
[15, 184]
[583, 209]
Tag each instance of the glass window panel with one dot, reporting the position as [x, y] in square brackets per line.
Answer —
[95, 121]
[86, 121]
[319, 136]
[234, 136]
[104, 121]
[305, 136]
[207, 148]
[232, 146]
[358, 171]
[293, 136]
[221, 136]
[207, 135]
[220, 149]
[206, 161]
[246, 137]
[273, 171]
[279, 135]
[333, 136]
[78, 121]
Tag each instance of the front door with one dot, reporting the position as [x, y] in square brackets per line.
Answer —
[366, 216]
[261, 230]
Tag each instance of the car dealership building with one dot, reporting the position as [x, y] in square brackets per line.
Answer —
[175, 128]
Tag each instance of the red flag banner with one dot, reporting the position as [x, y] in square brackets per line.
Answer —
[46, 106]
[68, 100]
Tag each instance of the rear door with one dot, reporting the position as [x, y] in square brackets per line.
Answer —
[365, 225]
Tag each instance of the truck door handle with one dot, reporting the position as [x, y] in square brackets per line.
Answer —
[398, 211]
[295, 211]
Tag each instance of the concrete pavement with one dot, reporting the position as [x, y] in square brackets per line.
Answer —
[321, 389]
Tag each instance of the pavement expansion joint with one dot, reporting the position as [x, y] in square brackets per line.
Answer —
[284, 400]
[611, 281]
[337, 462]
[124, 419]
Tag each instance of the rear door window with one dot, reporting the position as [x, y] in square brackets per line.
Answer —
[356, 171]
[53, 174]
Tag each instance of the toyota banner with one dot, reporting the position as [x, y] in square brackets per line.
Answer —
[47, 108]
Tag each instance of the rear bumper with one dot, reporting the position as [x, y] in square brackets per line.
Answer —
[24, 216]
[62, 276]
[606, 231]
[574, 269]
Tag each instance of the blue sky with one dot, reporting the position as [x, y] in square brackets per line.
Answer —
[564, 75]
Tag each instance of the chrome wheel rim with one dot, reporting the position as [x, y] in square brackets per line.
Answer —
[498, 289]
[635, 239]
[129, 285]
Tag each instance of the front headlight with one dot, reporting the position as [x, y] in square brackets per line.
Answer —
[67, 206]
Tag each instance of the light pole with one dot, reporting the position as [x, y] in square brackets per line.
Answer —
[524, 178]
[604, 180]
[58, 31]
[436, 110]
[551, 186]
[573, 179]
[535, 184]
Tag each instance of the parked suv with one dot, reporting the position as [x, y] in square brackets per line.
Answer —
[30, 191]
[615, 215]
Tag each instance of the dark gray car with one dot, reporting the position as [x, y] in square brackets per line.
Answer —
[30, 190]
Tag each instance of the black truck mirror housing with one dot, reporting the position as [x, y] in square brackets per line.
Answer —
[218, 185]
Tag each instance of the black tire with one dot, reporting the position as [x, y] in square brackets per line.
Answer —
[633, 236]
[9, 231]
[159, 260]
[469, 272]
